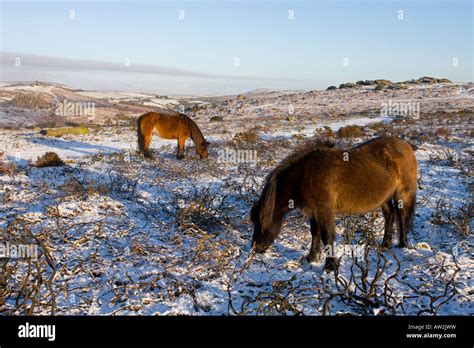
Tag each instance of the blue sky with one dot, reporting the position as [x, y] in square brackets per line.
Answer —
[306, 52]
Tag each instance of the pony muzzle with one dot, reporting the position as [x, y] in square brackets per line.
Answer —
[260, 248]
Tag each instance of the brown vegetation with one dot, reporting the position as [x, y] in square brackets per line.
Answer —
[49, 159]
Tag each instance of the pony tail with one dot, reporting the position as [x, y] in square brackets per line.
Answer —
[140, 137]
[268, 204]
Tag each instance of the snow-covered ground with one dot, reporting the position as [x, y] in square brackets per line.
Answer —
[118, 234]
[22, 146]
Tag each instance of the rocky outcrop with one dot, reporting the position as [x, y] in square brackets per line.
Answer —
[347, 85]
[427, 80]
[381, 84]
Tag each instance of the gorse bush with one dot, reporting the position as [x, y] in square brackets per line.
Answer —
[350, 131]
[249, 136]
[49, 159]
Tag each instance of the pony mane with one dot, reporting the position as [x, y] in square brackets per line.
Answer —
[196, 134]
[266, 203]
[301, 152]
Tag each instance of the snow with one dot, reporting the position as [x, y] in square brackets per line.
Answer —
[23, 146]
[131, 236]
[113, 95]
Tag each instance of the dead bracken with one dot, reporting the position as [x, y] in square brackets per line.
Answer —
[49, 159]
[118, 235]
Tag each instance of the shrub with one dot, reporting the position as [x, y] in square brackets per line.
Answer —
[379, 126]
[7, 168]
[325, 132]
[201, 209]
[216, 119]
[350, 131]
[125, 119]
[249, 136]
[49, 159]
[442, 132]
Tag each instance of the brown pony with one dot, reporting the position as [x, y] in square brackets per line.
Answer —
[170, 126]
[323, 181]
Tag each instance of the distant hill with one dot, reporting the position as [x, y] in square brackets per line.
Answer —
[52, 104]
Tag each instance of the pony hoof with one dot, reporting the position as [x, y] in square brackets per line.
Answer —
[403, 245]
[331, 265]
[313, 258]
[180, 157]
[147, 154]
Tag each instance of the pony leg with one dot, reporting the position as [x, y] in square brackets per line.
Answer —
[388, 210]
[404, 206]
[315, 251]
[328, 232]
[403, 231]
[147, 135]
[181, 143]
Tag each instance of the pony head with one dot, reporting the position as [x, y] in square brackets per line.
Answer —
[201, 149]
[264, 232]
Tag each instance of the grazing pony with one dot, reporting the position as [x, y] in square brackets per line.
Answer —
[170, 126]
[323, 181]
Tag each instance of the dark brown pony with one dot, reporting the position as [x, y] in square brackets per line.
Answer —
[170, 126]
[323, 181]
